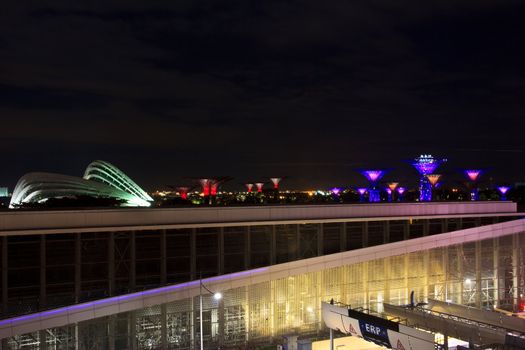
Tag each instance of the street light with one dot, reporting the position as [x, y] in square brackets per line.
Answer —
[216, 296]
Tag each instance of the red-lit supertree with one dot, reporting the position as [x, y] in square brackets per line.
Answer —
[210, 186]
[183, 191]
[249, 187]
[259, 186]
[276, 181]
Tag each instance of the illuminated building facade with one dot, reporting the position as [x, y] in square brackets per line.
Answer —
[261, 306]
[274, 265]
[101, 179]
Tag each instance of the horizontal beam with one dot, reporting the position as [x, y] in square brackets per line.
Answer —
[18, 222]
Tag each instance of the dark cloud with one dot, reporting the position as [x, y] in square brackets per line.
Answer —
[301, 88]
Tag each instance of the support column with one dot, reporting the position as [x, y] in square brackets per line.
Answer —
[479, 287]
[163, 326]
[247, 245]
[406, 229]
[220, 311]
[220, 255]
[193, 255]
[461, 277]
[5, 271]
[43, 295]
[163, 258]
[247, 321]
[386, 231]
[5, 285]
[342, 239]
[111, 332]
[132, 261]
[426, 228]
[496, 276]
[320, 239]
[111, 263]
[364, 234]
[78, 267]
[273, 246]
[132, 330]
[516, 299]
[445, 273]
[298, 252]
[364, 274]
[444, 225]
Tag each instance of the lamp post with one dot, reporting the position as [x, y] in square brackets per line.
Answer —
[216, 296]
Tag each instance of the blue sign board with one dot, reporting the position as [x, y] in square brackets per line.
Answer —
[374, 333]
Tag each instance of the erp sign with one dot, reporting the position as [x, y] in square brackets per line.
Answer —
[374, 333]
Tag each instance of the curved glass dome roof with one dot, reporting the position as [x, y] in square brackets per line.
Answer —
[101, 179]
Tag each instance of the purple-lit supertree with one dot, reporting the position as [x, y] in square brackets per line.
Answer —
[503, 190]
[335, 193]
[400, 191]
[425, 164]
[361, 192]
[373, 177]
[473, 175]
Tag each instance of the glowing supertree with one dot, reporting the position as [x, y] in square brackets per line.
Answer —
[275, 181]
[249, 187]
[473, 175]
[433, 179]
[259, 186]
[425, 164]
[373, 177]
[206, 186]
[335, 191]
[210, 186]
[361, 192]
[183, 191]
[400, 191]
[391, 190]
[503, 190]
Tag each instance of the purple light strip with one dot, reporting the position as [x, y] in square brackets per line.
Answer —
[89, 305]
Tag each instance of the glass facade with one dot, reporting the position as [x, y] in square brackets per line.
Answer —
[483, 273]
[46, 271]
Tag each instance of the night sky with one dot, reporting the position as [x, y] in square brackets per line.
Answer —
[311, 90]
